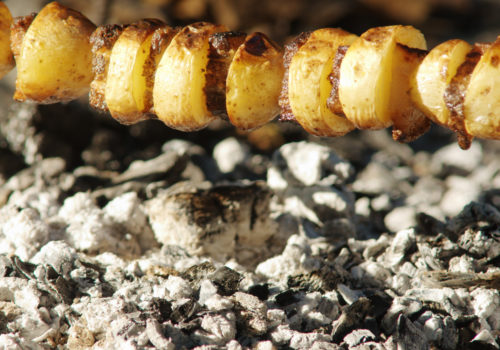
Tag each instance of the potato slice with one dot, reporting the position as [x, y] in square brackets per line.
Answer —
[124, 82]
[434, 75]
[102, 40]
[286, 114]
[409, 122]
[482, 97]
[6, 57]
[254, 82]
[179, 96]
[455, 92]
[54, 63]
[309, 86]
[374, 81]
[147, 60]
[223, 46]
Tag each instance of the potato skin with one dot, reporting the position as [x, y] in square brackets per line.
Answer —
[54, 60]
[102, 41]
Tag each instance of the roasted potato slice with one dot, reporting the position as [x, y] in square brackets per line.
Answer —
[434, 75]
[145, 66]
[223, 46]
[54, 61]
[375, 81]
[102, 41]
[6, 57]
[482, 97]
[125, 83]
[455, 92]
[309, 86]
[179, 96]
[409, 122]
[254, 82]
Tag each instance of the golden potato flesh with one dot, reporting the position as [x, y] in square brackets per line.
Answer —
[254, 82]
[308, 84]
[179, 96]
[102, 41]
[6, 58]
[434, 75]
[373, 77]
[482, 97]
[124, 81]
[55, 62]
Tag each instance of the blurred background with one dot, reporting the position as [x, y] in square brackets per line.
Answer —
[439, 20]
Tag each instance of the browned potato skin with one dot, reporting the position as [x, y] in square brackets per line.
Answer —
[46, 72]
[455, 93]
[102, 40]
[290, 50]
[159, 42]
[223, 46]
[409, 121]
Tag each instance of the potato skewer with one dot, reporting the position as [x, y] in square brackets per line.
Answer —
[329, 81]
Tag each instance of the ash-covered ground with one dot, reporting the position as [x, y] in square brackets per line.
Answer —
[140, 237]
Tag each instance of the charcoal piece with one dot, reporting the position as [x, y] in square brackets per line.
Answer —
[381, 302]
[471, 214]
[449, 339]
[261, 291]
[352, 315]
[400, 305]
[325, 279]
[286, 298]
[221, 222]
[226, 280]
[183, 309]
[196, 273]
[408, 336]
[429, 225]
[158, 309]
[251, 314]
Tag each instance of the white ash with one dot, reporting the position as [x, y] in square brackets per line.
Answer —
[91, 230]
[23, 231]
[229, 153]
[318, 257]
[305, 164]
